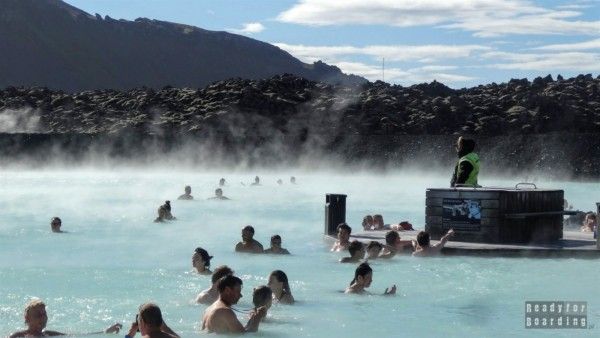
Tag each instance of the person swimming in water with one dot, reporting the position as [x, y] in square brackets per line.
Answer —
[201, 261]
[363, 277]
[220, 318]
[211, 294]
[276, 246]
[150, 323]
[344, 231]
[169, 216]
[256, 181]
[394, 245]
[262, 296]
[222, 182]
[292, 180]
[374, 250]
[590, 223]
[162, 214]
[218, 195]
[357, 252]
[36, 319]
[279, 182]
[55, 224]
[278, 282]
[424, 248]
[248, 243]
[188, 194]
[367, 223]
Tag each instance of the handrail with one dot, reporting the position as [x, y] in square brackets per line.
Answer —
[525, 183]
[522, 215]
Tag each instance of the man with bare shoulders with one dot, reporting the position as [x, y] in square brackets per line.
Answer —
[211, 294]
[343, 242]
[220, 318]
[248, 243]
[424, 249]
[36, 319]
[149, 322]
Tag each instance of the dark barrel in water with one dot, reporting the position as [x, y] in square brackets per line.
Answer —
[335, 212]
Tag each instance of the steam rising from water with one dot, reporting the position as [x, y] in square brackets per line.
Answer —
[20, 121]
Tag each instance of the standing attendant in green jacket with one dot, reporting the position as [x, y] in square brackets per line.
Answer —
[467, 167]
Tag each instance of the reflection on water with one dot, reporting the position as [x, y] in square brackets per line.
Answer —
[114, 258]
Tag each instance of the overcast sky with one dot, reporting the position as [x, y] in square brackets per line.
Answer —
[461, 43]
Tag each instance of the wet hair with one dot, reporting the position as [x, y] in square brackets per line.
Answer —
[229, 281]
[218, 190]
[151, 315]
[365, 220]
[391, 237]
[261, 295]
[344, 226]
[275, 237]
[167, 205]
[33, 304]
[187, 187]
[55, 219]
[378, 219]
[373, 244]
[354, 247]
[220, 272]
[362, 270]
[423, 238]
[205, 256]
[248, 228]
[282, 278]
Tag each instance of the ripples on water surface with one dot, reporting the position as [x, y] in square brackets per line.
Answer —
[114, 258]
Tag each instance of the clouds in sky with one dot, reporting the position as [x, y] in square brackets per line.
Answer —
[485, 18]
[420, 53]
[250, 28]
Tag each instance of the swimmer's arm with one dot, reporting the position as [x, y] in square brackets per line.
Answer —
[391, 252]
[18, 334]
[444, 239]
[239, 247]
[111, 329]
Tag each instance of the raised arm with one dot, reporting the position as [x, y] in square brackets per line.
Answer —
[255, 318]
[444, 239]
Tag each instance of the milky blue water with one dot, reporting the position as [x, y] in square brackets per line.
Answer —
[114, 257]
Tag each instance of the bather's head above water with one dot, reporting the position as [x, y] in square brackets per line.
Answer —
[221, 182]
[230, 289]
[187, 195]
[55, 224]
[36, 317]
[201, 261]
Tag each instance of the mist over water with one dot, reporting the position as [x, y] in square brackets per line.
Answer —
[114, 257]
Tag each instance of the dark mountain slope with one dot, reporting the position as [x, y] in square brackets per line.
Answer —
[50, 43]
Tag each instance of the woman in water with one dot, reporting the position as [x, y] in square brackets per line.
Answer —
[363, 276]
[367, 223]
[278, 282]
[201, 261]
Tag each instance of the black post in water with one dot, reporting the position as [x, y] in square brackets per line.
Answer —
[597, 233]
[335, 212]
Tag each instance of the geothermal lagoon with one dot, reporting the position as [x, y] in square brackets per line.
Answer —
[115, 258]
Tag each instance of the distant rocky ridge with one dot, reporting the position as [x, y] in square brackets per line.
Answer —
[545, 125]
[52, 44]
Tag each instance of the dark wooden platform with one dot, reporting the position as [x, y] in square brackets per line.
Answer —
[574, 244]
